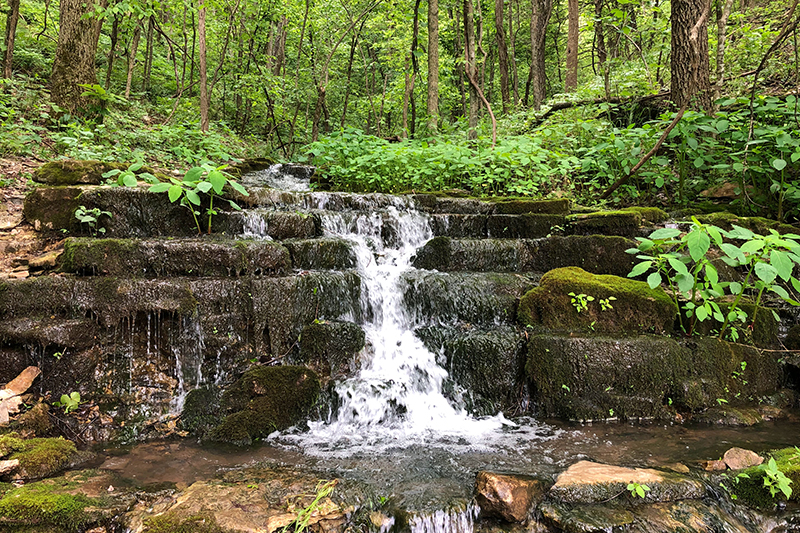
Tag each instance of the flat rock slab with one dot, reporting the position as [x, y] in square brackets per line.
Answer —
[590, 482]
[507, 496]
[8, 466]
[585, 518]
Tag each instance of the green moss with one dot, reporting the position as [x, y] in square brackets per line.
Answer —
[650, 214]
[201, 411]
[525, 226]
[760, 225]
[264, 400]
[605, 223]
[46, 502]
[751, 489]
[518, 206]
[40, 458]
[329, 347]
[325, 253]
[637, 308]
[74, 172]
[173, 522]
[9, 443]
[53, 208]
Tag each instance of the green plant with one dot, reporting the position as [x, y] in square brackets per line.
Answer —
[580, 301]
[128, 177]
[203, 179]
[637, 489]
[69, 402]
[776, 481]
[91, 217]
[323, 490]
[605, 303]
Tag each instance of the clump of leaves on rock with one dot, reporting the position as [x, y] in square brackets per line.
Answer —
[684, 262]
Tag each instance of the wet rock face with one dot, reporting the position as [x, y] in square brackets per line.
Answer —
[618, 305]
[510, 497]
[330, 348]
[265, 400]
[739, 458]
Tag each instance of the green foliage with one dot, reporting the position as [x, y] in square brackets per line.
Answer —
[637, 489]
[70, 402]
[300, 524]
[581, 301]
[776, 481]
[129, 176]
[683, 262]
[172, 522]
[204, 179]
[90, 217]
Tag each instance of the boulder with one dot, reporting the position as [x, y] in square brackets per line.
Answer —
[75, 172]
[264, 400]
[510, 497]
[632, 307]
[51, 209]
[585, 518]
[752, 489]
[739, 458]
[330, 348]
[324, 253]
[590, 482]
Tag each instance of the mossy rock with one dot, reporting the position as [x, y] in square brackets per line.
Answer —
[598, 254]
[519, 206]
[324, 253]
[625, 223]
[43, 457]
[75, 172]
[752, 491]
[636, 309]
[48, 503]
[264, 400]
[36, 420]
[174, 257]
[590, 378]
[250, 165]
[174, 522]
[52, 209]
[459, 226]
[650, 214]
[726, 415]
[525, 226]
[201, 411]
[760, 225]
[329, 348]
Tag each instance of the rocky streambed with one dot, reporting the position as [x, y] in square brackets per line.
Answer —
[393, 346]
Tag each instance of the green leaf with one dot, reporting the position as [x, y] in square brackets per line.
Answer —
[111, 173]
[698, 243]
[665, 233]
[733, 251]
[685, 282]
[238, 188]
[678, 266]
[702, 313]
[193, 197]
[766, 272]
[194, 174]
[735, 287]
[204, 186]
[711, 274]
[783, 265]
[779, 164]
[175, 192]
[654, 280]
[160, 187]
[217, 180]
[640, 269]
[752, 246]
[129, 180]
[136, 166]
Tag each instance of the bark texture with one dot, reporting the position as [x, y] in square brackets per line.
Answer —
[537, 77]
[11, 31]
[502, 53]
[689, 64]
[75, 55]
[433, 65]
[201, 36]
[571, 78]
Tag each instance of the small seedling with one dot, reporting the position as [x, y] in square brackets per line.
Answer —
[637, 489]
[90, 217]
[69, 402]
[580, 301]
[605, 303]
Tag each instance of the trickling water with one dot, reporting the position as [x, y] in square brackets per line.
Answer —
[459, 519]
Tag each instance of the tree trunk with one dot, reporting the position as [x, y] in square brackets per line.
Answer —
[433, 65]
[201, 37]
[689, 63]
[723, 12]
[600, 43]
[540, 16]
[113, 51]
[148, 55]
[75, 54]
[571, 79]
[502, 53]
[11, 33]
[132, 59]
[471, 69]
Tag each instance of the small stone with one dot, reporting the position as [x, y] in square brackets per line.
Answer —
[45, 261]
[717, 465]
[739, 458]
[506, 496]
[680, 468]
[8, 466]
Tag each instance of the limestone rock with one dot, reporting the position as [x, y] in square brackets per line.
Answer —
[8, 466]
[714, 465]
[585, 518]
[635, 307]
[730, 416]
[739, 458]
[330, 347]
[10, 395]
[590, 482]
[507, 496]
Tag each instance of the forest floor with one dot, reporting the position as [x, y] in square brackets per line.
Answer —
[20, 245]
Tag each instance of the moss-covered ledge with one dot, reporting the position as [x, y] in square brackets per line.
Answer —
[82, 172]
[634, 309]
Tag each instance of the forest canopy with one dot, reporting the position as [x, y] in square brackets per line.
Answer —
[603, 100]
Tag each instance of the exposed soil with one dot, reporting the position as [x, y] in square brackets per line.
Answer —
[20, 245]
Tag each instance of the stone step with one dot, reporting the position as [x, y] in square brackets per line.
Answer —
[596, 253]
[180, 257]
[213, 256]
[464, 297]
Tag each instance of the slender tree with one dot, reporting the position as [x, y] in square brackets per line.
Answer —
[201, 37]
[537, 76]
[433, 65]
[689, 63]
[502, 53]
[11, 32]
[573, 19]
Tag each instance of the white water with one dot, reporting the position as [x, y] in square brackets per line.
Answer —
[396, 400]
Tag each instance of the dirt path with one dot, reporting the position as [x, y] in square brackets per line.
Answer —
[20, 245]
